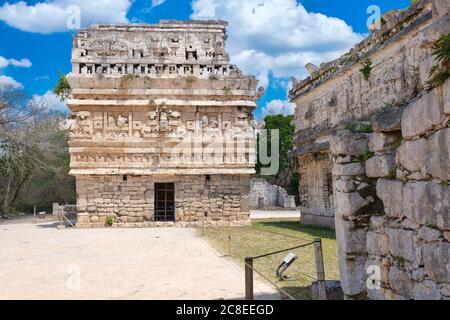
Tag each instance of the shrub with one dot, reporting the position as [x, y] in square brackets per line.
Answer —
[440, 72]
[366, 69]
[109, 220]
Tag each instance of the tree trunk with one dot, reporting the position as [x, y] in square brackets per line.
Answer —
[6, 205]
[19, 187]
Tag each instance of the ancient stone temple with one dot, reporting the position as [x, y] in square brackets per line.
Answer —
[162, 127]
[373, 143]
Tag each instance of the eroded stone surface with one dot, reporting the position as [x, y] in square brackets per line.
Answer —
[377, 243]
[380, 166]
[346, 142]
[388, 120]
[438, 154]
[401, 282]
[380, 142]
[391, 192]
[404, 244]
[349, 204]
[436, 259]
[412, 155]
[422, 115]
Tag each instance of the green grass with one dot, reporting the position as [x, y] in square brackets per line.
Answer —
[265, 236]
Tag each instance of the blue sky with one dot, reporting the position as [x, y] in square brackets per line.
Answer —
[271, 39]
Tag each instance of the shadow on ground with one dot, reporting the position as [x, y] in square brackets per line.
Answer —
[317, 232]
[52, 225]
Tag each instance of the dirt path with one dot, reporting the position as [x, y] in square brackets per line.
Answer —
[42, 262]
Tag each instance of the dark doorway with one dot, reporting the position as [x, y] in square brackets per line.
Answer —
[164, 202]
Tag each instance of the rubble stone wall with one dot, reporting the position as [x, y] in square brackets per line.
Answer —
[337, 96]
[388, 139]
[265, 195]
[130, 203]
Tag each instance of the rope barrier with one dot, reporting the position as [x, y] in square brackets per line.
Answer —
[271, 282]
[219, 233]
[281, 251]
[281, 234]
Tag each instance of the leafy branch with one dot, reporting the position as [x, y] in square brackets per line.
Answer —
[440, 72]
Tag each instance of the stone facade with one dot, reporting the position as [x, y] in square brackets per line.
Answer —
[158, 104]
[387, 140]
[197, 200]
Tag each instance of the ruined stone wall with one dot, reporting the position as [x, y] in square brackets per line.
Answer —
[388, 141]
[265, 195]
[337, 96]
[130, 203]
[393, 205]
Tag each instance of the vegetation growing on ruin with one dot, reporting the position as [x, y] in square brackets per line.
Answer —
[400, 262]
[190, 80]
[440, 72]
[109, 220]
[366, 69]
[62, 88]
[357, 127]
[127, 77]
[365, 156]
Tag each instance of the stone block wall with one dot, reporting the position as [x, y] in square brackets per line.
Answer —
[130, 202]
[265, 195]
[393, 201]
[336, 95]
[387, 137]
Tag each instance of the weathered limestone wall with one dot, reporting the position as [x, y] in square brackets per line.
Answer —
[388, 141]
[316, 190]
[265, 195]
[393, 210]
[337, 96]
[130, 203]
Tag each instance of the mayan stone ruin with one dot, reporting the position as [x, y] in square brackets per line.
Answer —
[162, 128]
[373, 146]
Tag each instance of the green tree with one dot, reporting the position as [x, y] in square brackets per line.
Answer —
[285, 176]
[62, 88]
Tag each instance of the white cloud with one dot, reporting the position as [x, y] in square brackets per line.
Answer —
[274, 107]
[24, 63]
[53, 15]
[156, 3]
[9, 83]
[277, 36]
[49, 101]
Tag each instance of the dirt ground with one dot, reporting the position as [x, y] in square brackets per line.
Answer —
[38, 261]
